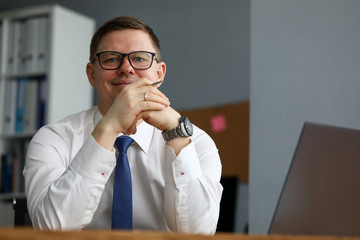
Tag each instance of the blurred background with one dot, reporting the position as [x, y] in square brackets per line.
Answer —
[206, 46]
[290, 61]
[189, 32]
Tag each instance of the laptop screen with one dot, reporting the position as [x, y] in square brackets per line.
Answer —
[321, 194]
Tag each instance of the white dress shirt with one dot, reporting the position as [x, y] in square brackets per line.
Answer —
[69, 179]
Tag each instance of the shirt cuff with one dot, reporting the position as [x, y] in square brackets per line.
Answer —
[185, 167]
[93, 162]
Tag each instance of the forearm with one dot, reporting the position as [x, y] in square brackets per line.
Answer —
[193, 193]
[65, 197]
[64, 206]
[194, 208]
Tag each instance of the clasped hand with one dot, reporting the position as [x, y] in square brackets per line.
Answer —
[140, 101]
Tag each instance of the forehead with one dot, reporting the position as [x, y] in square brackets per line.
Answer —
[126, 41]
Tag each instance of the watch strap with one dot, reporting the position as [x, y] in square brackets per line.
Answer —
[179, 131]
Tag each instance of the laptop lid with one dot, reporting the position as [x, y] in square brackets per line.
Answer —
[321, 194]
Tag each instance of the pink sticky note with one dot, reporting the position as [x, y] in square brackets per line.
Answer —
[218, 123]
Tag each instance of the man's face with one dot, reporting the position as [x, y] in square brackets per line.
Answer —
[109, 83]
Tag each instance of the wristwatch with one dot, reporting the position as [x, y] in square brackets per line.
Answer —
[185, 129]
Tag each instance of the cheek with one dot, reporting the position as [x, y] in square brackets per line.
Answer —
[100, 79]
[151, 75]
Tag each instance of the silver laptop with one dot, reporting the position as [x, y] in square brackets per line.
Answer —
[321, 194]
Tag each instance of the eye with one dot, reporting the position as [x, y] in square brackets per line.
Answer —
[139, 59]
[110, 58]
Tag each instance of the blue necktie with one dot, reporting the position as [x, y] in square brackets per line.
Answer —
[122, 198]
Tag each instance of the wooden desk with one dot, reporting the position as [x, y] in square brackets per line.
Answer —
[31, 234]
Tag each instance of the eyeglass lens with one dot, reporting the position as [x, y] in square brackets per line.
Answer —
[139, 60]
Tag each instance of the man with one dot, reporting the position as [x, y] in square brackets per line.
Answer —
[69, 172]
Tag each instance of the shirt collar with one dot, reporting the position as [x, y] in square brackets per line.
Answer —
[142, 136]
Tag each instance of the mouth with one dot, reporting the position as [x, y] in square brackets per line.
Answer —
[121, 83]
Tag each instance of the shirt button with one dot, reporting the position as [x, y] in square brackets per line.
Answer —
[181, 211]
[177, 163]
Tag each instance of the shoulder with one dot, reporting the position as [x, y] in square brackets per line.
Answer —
[78, 120]
[74, 124]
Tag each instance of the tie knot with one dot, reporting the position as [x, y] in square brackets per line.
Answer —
[123, 142]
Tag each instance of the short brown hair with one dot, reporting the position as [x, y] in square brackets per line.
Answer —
[122, 23]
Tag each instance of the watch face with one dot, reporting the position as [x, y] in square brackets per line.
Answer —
[187, 125]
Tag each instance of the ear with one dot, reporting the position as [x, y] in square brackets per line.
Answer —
[161, 71]
[90, 74]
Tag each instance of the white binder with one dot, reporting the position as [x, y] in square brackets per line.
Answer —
[42, 44]
[15, 49]
[31, 107]
[32, 44]
[10, 107]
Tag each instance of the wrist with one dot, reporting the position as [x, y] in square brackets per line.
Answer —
[183, 129]
[105, 135]
[177, 144]
[173, 123]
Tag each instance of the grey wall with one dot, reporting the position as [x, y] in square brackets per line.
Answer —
[305, 58]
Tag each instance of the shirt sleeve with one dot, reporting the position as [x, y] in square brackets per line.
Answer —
[63, 191]
[192, 186]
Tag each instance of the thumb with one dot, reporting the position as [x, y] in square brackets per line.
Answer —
[132, 129]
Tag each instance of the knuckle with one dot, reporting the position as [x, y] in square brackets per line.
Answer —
[148, 104]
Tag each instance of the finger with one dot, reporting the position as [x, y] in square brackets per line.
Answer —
[132, 129]
[150, 96]
[150, 86]
[143, 107]
[150, 106]
[150, 90]
[146, 88]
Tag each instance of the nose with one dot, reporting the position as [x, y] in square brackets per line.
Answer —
[125, 66]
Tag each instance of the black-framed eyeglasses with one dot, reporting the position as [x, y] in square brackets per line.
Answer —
[111, 60]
